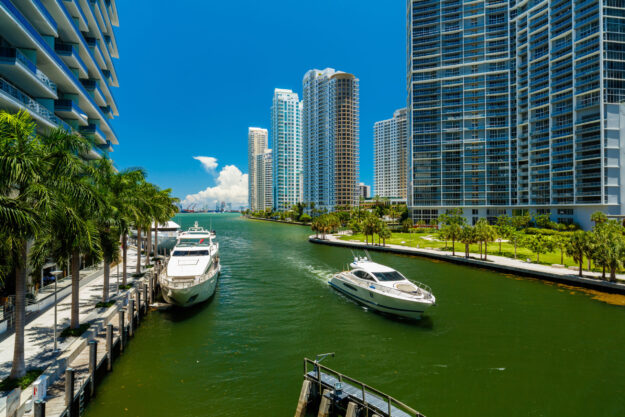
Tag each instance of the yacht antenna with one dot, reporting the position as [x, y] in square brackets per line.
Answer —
[368, 256]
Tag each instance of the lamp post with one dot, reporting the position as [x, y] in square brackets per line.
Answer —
[56, 278]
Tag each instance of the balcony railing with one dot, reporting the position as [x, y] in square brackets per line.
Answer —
[15, 54]
[31, 104]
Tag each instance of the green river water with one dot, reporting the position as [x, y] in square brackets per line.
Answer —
[495, 345]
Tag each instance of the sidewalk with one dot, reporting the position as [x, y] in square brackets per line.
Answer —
[38, 334]
[494, 262]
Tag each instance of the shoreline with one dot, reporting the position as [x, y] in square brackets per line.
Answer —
[497, 263]
[276, 221]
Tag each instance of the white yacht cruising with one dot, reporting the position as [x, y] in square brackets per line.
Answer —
[193, 268]
[383, 289]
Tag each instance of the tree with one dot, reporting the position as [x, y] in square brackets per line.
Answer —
[609, 246]
[305, 218]
[452, 232]
[384, 232]
[355, 226]
[452, 216]
[406, 225]
[543, 221]
[485, 233]
[504, 229]
[598, 217]
[468, 236]
[560, 241]
[576, 248]
[538, 244]
[369, 227]
[23, 203]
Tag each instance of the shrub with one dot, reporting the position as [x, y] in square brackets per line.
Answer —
[305, 218]
[105, 305]
[68, 331]
[9, 384]
[536, 231]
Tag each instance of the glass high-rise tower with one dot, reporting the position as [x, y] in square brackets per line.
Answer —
[389, 156]
[515, 105]
[257, 139]
[286, 133]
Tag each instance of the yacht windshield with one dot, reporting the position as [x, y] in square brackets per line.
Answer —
[389, 276]
[195, 241]
[190, 253]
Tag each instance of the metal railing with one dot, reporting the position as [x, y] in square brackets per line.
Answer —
[313, 372]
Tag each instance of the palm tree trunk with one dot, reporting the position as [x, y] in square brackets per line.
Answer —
[148, 248]
[105, 284]
[18, 369]
[75, 318]
[124, 257]
[581, 266]
[603, 273]
[138, 271]
[453, 247]
[466, 250]
[613, 274]
[486, 251]
[480, 250]
[561, 256]
[156, 238]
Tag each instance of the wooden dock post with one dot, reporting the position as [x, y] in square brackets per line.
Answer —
[145, 299]
[122, 327]
[303, 399]
[151, 289]
[131, 318]
[324, 407]
[352, 410]
[40, 408]
[69, 390]
[109, 347]
[138, 295]
[93, 364]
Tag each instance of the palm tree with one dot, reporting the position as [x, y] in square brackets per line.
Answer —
[452, 231]
[485, 233]
[576, 248]
[167, 209]
[384, 233]
[369, 227]
[598, 217]
[468, 236]
[71, 229]
[23, 197]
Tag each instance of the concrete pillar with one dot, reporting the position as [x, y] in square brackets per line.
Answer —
[303, 399]
[122, 327]
[93, 363]
[324, 407]
[352, 410]
[40, 408]
[69, 389]
[109, 347]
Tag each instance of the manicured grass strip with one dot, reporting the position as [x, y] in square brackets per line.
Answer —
[68, 331]
[105, 305]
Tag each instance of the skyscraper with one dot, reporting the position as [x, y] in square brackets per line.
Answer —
[286, 133]
[515, 106]
[390, 139]
[256, 145]
[330, 138]
[57, 63]
[264, 180]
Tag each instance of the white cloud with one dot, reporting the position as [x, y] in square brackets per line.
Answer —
[208, 162]
[230, 186]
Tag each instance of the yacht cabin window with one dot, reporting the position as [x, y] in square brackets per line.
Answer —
[363, 275]
[389, 276]
[190, 253]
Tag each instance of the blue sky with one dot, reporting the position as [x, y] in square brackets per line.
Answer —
[194, 74]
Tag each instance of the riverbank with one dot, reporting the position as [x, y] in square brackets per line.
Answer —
[73, 352]
[277, 221]
[590, 280]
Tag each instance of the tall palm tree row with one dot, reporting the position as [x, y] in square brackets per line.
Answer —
[64, 208]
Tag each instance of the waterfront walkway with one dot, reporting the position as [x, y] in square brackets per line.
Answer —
[500, 263]
[38, 334]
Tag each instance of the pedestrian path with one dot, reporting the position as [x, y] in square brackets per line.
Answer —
[38, 334]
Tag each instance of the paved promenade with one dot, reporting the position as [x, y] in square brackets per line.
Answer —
[38, 334]
[590, 279]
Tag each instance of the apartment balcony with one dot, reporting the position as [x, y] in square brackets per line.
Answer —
[20, 70]
[94, 89]
[68, 109]
[70, 55]
[14, 99]
[92, 131]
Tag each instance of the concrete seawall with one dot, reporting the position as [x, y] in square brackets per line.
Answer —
[501, 264]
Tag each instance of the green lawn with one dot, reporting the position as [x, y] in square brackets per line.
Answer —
[507, 249]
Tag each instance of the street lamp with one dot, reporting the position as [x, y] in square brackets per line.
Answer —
[56, 278]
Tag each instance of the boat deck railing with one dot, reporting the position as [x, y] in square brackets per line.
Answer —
[369, 398]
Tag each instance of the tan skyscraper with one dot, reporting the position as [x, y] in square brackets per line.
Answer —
[256, 145]
[330, 138]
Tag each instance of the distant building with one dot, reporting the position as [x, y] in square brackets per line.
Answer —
[330, 132]
[57, 62]
[264, 180]
[390, 139]
[364, 191]
[286, 134]
[257, 143]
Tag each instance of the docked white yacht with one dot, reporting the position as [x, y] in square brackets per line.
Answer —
[383, 289]
[193, 268]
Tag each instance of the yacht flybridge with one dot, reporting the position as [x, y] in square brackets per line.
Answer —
[192, 269]
[383, 289]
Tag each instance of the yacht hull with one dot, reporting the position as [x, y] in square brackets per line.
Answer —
[379, 301]
[191, 295]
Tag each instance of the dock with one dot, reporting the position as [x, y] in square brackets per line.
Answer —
[336, 394]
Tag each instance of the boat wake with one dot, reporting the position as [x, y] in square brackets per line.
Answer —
[321, 275]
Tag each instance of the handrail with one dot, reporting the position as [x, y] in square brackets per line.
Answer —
[317, 367]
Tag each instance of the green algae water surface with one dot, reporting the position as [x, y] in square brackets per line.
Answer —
[495, 345]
